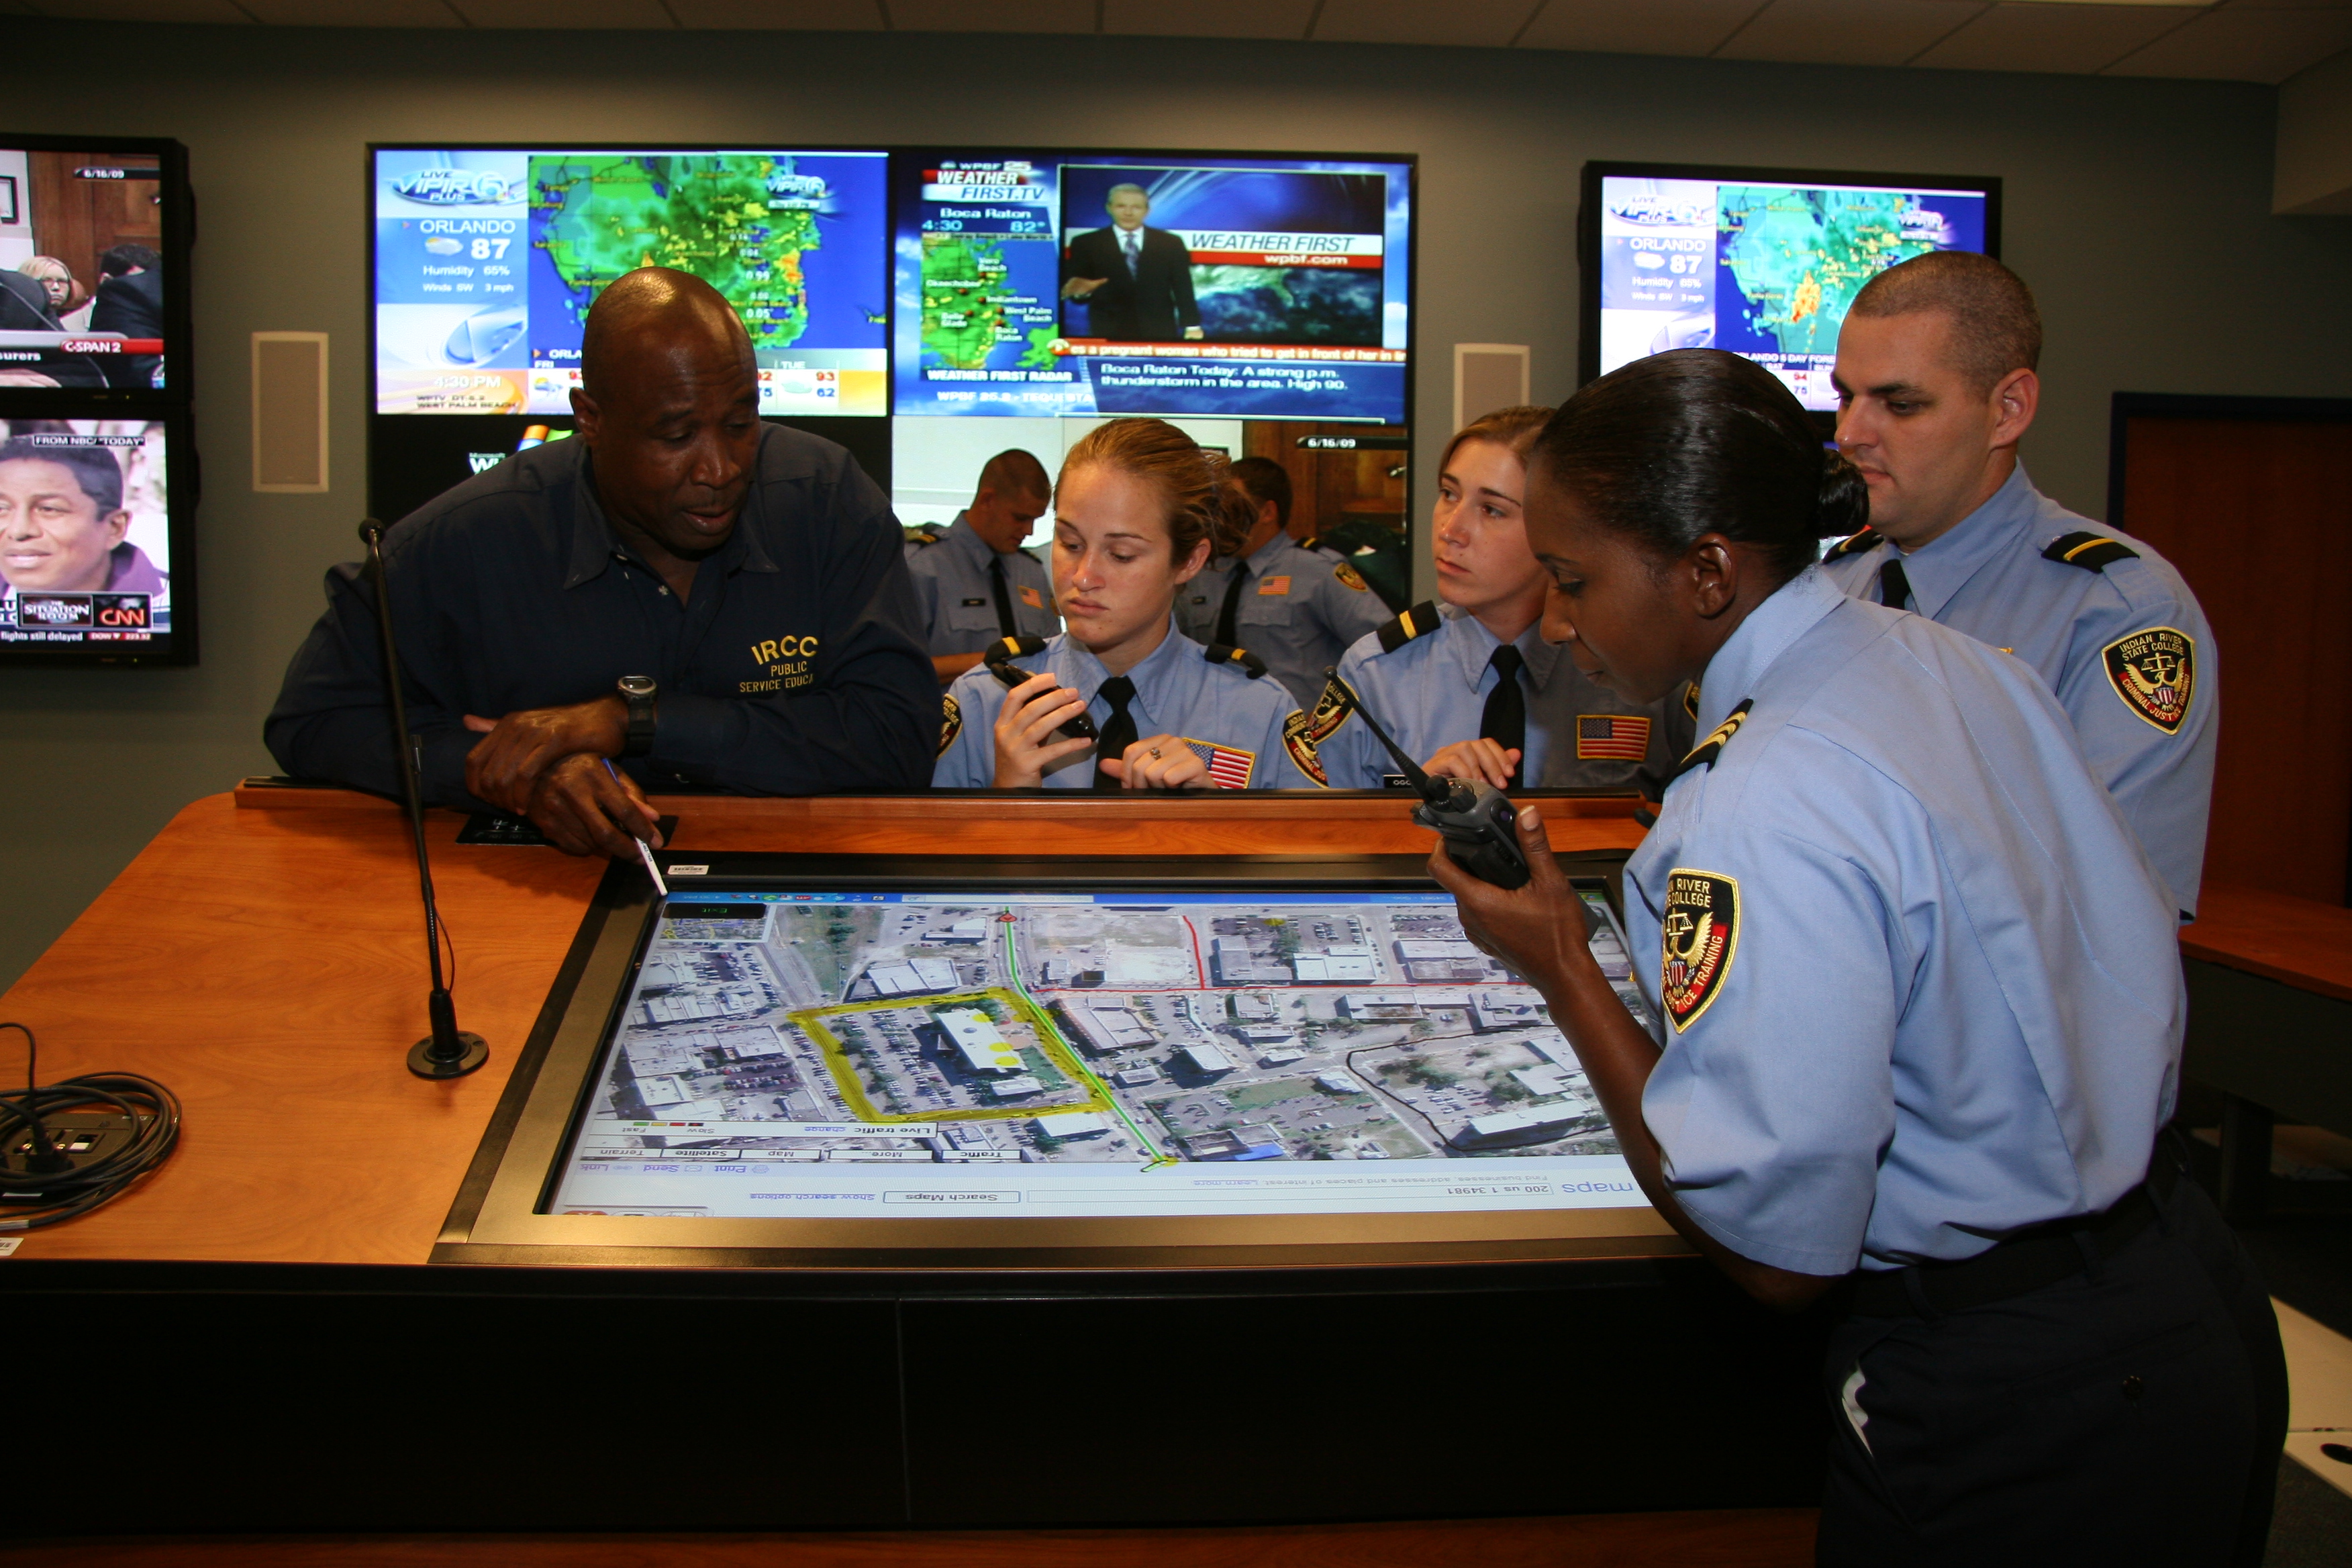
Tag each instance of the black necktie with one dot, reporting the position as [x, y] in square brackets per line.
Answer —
[1005, 625]
[1504, 722]
[1118, 730]
[1225, 633]
[1894, 587]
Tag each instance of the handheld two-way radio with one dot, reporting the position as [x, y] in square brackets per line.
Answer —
[1478, 823]
[999, 659]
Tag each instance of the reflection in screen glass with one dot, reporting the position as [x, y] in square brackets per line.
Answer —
[892, 1055]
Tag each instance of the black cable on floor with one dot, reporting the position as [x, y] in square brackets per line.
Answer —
[40, 1184]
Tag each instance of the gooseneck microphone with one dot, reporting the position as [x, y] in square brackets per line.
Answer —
[448, 1051]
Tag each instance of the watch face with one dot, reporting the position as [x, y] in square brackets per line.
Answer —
[637, 685]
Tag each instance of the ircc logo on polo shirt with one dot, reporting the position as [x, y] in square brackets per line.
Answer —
[787, 661]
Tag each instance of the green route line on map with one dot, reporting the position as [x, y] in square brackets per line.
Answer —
[1013, 968]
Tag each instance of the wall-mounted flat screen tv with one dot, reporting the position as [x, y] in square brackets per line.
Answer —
[1762, 262]
[487, 259]
[95, 564]
[93, 267]
[1099, 283]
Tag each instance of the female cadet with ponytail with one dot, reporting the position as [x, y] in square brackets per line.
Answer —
[1922, 1018]
[1136, 505]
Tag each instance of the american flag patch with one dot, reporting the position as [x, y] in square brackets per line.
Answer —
[1612, 736]
[1228, 768]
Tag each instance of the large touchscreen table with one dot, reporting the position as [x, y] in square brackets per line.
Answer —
[908, 1055]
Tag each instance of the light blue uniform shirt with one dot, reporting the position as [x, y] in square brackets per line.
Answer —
[1431, 692]
[1299, 610]
[1210, 707]
[1948, 1004]
[1988, 577]
[959, 604]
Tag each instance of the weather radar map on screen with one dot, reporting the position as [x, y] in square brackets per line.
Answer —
[85, 535]
[487, 262]
[1764, 269]
[1238, 288]
[892, 1055]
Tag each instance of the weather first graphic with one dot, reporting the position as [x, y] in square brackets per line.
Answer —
[487, 263]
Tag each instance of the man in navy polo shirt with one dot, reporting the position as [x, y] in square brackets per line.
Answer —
[745, 580]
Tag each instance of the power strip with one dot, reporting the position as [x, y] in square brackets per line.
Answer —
[83, 1137]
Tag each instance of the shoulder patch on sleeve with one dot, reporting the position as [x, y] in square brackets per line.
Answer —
[1350, 578]
[1417, 622]
[1854, 543]
[951, 723]
[2155, 672]
[1304, 733]
[1699, 933]
[921, 536]
[2090, 551]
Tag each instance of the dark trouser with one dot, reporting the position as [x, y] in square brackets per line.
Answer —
[2134, 1413]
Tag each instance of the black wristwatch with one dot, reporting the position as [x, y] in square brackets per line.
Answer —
[638, 691]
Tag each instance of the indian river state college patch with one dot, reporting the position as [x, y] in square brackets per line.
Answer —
[1700, 933]
[2155, 672]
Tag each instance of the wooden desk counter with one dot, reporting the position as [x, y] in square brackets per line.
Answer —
[2270, 1025]
[2294, 942]
[263, 958]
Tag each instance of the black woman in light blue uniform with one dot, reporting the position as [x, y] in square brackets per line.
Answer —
[1468, 686]
[1920, 1015]
[1133, 513]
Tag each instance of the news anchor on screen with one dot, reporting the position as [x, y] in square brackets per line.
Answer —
[1135, 283]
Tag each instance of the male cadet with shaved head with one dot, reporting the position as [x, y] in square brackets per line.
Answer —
[1936, 386]
[974, 581]
[682, 593]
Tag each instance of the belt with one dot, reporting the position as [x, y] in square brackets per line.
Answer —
[2027, 1261]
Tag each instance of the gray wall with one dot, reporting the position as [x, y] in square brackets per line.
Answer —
[2138, 209]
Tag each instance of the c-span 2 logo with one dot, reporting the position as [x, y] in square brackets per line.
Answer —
[2155, 672]
[1700, 934]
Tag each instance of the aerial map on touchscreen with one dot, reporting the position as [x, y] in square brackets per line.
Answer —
[892, 1053]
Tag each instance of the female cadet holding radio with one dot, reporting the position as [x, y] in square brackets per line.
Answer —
[1133, 513]
[1921, 1012]
[1469, 688]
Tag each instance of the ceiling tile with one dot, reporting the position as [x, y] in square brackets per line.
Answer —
[992, 15]
[1847, 32]
[353, 13]
[145, 11]
[564, 14]
[2031, 37]
[1210, 18]
[810, 16]
[2248, 44]
[1488, 23]
[1653, 27]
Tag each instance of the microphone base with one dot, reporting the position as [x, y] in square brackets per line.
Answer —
[422, 1063]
